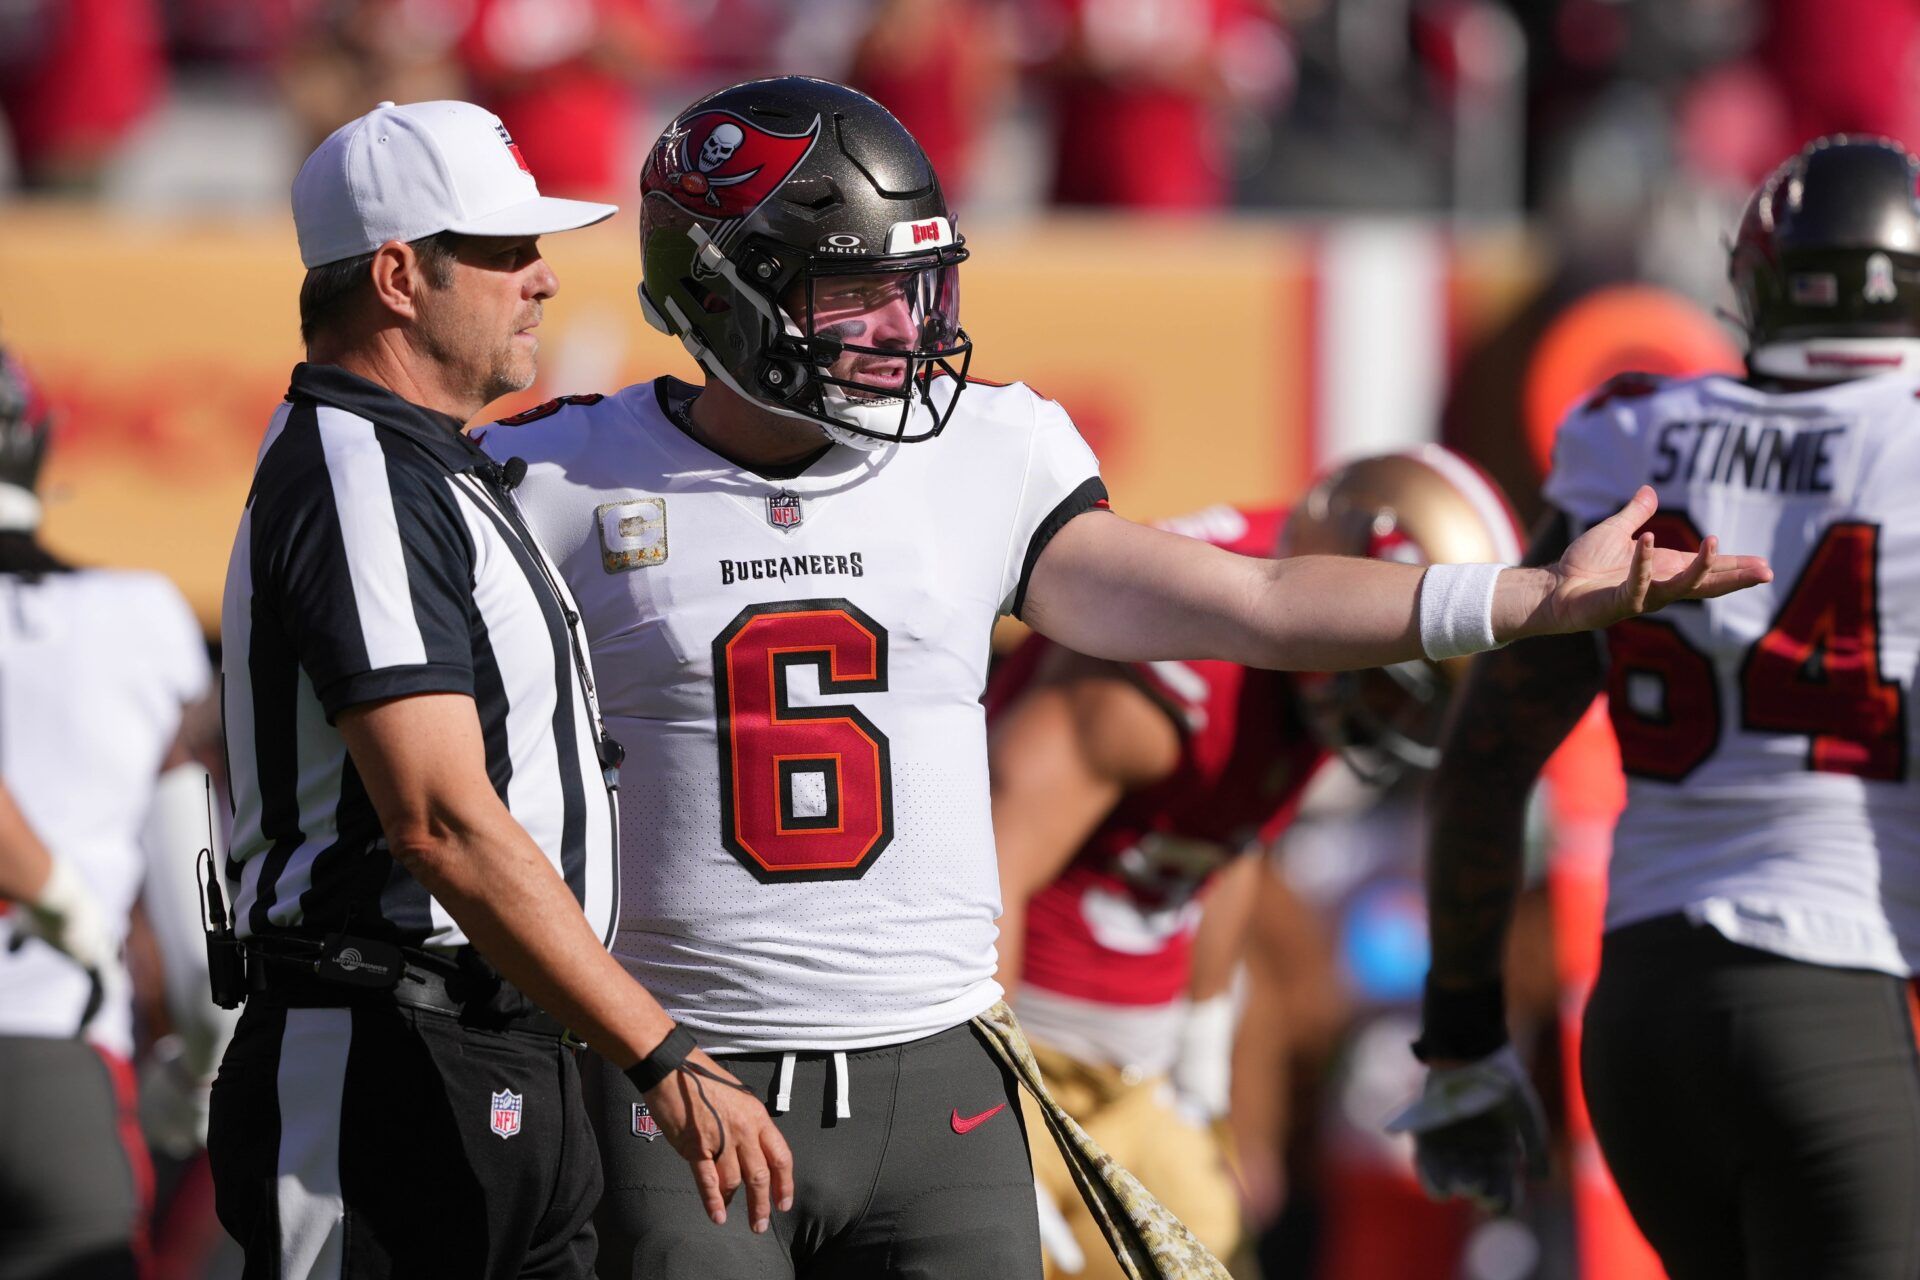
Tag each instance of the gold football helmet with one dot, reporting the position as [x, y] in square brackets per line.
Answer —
[1424, 506]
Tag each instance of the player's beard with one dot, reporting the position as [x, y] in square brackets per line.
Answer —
[863, 379]
[871, 379]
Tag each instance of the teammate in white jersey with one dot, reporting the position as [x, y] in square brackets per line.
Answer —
[97, 669]
[1749, 1058]
[788, 576]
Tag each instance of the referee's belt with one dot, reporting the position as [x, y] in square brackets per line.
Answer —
[341, 971]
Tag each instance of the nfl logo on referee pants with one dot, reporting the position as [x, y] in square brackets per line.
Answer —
[506, 1113]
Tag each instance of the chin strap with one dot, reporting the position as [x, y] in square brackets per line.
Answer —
[1835, 359]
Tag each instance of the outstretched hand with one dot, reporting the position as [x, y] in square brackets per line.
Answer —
[1610, 573]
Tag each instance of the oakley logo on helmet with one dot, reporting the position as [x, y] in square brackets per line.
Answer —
[928, 233]
[841, 243]
[715, 164]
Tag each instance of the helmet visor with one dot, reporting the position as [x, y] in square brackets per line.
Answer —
[877, 333]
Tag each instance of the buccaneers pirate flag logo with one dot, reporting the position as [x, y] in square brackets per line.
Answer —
[720, 165]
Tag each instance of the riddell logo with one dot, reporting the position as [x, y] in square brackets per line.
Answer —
[924, 231]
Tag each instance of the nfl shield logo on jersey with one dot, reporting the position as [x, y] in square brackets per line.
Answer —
[506, 1113]
[783, 510]
[644, 1125]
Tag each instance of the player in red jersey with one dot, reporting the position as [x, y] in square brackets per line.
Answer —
[1124, 794]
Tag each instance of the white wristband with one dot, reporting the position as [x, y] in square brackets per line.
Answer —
[1456, 609]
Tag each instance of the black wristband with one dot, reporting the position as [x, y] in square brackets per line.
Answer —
[1464, 1024]
[666, 1058]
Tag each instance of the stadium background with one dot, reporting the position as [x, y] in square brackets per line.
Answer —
[1238, 239]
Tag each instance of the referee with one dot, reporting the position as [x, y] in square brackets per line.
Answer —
[423, 868]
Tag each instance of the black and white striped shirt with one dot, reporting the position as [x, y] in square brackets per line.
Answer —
[381, 554]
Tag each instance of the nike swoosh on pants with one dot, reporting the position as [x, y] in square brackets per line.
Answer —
[970, 1123]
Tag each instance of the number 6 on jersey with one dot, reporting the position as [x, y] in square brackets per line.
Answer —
[806, 793]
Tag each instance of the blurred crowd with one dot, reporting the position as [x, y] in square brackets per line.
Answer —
[1593, 110]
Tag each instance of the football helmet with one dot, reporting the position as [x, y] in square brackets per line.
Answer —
[1423, 506]
[26, 424]
[794, 237]
[1826, 265]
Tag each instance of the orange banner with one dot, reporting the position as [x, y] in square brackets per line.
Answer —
[1185, 350]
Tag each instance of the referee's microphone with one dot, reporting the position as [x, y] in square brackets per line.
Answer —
[511, 472]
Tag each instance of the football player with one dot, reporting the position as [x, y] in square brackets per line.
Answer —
[1748, 1054]
[1123, 791]
[98, 669]
[788, 574]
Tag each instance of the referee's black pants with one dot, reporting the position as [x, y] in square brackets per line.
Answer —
[386, 1141]
[1761, 1115]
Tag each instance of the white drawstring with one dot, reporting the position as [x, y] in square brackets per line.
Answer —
[843, 1105]
[783, 1092]
[783, 1087]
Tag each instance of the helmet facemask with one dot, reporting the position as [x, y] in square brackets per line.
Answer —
[854, 346]
[870, 339]
[1384, 722]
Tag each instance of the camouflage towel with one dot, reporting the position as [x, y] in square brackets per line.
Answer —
[1149, 1242]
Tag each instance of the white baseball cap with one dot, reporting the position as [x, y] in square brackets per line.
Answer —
[400, 173]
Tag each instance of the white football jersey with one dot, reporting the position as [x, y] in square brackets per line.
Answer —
[795, 669]
[1767, 735]
[96, 666]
